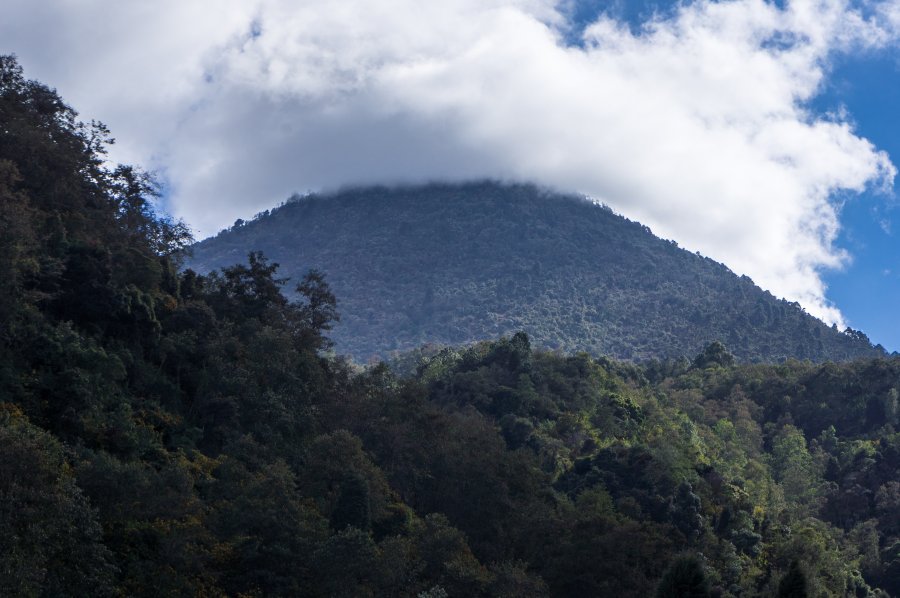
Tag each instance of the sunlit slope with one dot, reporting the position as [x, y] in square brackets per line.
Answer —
[450, 264]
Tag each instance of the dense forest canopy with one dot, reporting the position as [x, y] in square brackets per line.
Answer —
[164, 432]
[451, 264]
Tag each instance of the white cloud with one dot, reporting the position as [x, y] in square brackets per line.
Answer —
[695, 125]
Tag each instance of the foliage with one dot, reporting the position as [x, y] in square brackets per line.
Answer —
[164, 432]
[50, 540]
[684, 578]
[793, 584]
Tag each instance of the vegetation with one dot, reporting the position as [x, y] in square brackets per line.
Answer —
[453, 264]
[169, 433]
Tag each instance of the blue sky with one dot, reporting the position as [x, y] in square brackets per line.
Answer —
[868, 289]
[867, 86]
[753, 132]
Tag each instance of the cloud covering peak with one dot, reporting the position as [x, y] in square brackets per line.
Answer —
[697, 123]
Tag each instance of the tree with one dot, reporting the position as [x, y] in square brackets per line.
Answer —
[16, 241]
[317, 309]
[685, 512]
[685, 578]
[270, 532]
[793, 584]
[715, 354]
[50, 541]
[352, 508]
[251, 291]
[795, 468]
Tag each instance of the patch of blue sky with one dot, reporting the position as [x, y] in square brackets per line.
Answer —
[867, 88]
[864, 87]
[581, 13]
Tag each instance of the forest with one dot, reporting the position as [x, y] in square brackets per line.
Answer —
[451, 264]
[167, 432]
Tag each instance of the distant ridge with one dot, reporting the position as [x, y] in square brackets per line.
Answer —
[455, 263]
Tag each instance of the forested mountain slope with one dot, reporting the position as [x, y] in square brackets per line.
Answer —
[164, 433]
[450, 264]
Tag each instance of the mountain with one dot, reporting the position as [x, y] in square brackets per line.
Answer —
[451, 264]
[164, 433]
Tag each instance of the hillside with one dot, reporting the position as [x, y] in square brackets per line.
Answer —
[450, 264]
[169, 434]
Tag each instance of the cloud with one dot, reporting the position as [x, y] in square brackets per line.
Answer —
[696, 124]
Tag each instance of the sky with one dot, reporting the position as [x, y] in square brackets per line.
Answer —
[761, 134]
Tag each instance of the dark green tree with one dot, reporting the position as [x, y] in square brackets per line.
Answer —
[51, 543]
[352, 508]
[317, 309]
[685, 578]
[685, 512]
[250, 291]
[715, 354]
[793, 584]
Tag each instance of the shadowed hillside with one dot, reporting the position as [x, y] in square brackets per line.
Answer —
[164, 433]
[451, 264]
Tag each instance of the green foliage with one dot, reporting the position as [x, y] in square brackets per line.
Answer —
[164, 432]
[794, 467]
[793, 584]
[352, 508]
[50, 539]
[684, 578]
[686, 512]
[715, 354]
